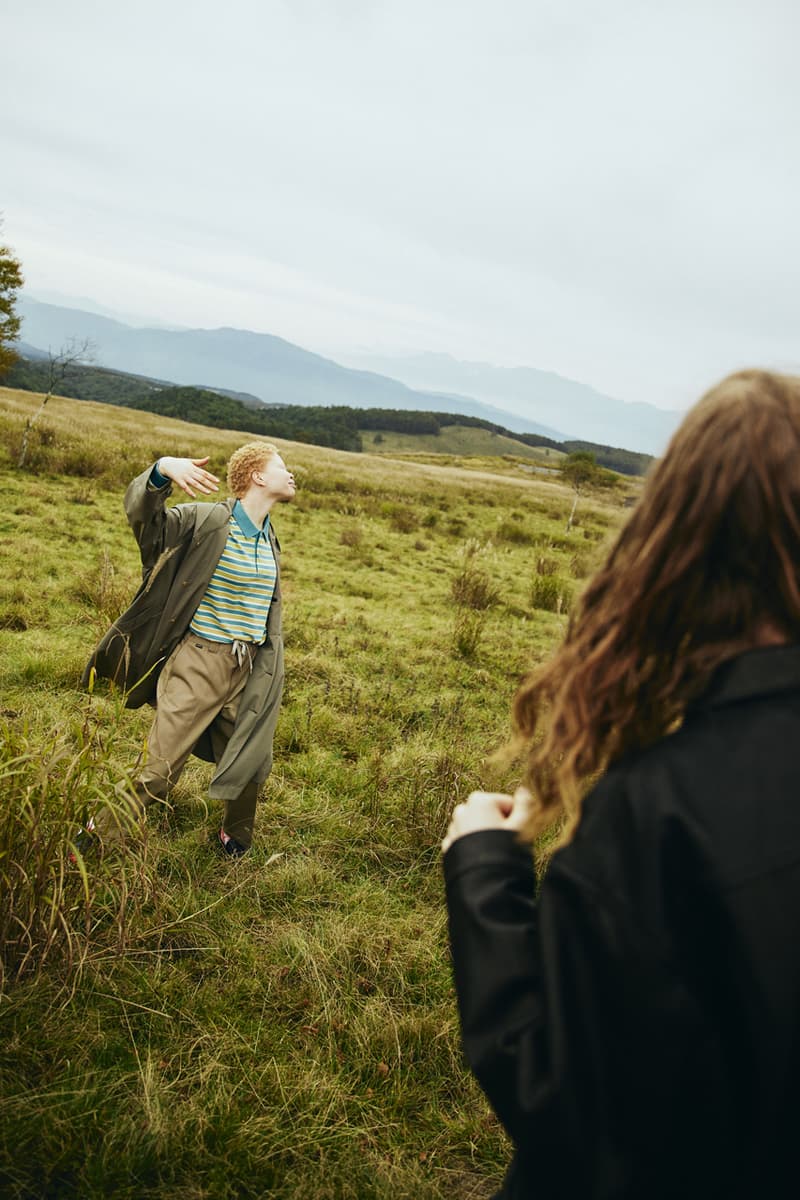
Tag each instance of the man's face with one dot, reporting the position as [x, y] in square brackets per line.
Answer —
[277, 478]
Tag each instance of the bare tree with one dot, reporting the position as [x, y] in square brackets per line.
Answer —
[75, 352]
[578, 469]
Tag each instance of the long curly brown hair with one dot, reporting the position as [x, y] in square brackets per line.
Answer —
[707, 565]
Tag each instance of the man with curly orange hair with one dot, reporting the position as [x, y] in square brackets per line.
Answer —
[202, 638]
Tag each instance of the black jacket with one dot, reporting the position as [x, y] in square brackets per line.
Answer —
[637, 1027]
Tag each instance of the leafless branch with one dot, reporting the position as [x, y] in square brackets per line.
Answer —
[76, 351]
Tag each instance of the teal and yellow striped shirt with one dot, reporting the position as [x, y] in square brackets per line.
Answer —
[236, 603]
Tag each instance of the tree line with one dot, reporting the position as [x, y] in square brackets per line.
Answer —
[337, 426]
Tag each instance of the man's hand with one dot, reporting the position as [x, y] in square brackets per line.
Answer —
[489, 810]
[189, 475]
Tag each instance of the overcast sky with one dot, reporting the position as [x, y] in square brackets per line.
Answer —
[610, 190]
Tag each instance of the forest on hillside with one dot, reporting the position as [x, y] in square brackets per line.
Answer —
[335, 426]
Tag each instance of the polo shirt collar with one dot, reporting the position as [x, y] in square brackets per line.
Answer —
[761, 672]
[248, 528]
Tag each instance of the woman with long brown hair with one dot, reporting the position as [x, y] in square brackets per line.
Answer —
[636, 1025]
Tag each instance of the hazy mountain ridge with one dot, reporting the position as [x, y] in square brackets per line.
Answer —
[239, 361]
[338, 426]
[583, 411]
[274, 371]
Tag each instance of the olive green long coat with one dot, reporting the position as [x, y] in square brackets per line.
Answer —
[180, 548]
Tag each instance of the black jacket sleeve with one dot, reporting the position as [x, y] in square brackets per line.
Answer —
[536, 1001]
[490, 884]
[576, 1019]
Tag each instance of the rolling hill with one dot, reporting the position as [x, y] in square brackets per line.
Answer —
[236, 360]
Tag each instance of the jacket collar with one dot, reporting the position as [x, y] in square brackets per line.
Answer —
[762, 672]
[214, 519]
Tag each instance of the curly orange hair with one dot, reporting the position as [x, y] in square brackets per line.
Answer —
[709, 558]
[244, 461]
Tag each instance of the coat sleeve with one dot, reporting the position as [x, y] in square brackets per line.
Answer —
[578, 1020]
[155, 527]
[535, 983]
[490, 886]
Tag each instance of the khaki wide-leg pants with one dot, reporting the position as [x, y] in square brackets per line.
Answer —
[198, 690]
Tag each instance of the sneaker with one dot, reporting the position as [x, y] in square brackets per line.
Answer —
[230, 846]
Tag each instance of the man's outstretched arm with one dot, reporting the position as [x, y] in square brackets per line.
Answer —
[154, 526]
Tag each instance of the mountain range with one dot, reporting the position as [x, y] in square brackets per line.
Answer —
[275, 371]
[581, 410]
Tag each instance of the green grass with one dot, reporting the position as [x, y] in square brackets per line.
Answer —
[285, 1026]
[460, 441]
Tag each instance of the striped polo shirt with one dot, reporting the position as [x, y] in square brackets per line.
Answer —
[236, 604]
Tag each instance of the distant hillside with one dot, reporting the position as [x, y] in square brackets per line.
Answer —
[580, 410]
[341, 427]
[85, 381]
[455, 439]
[275, 371]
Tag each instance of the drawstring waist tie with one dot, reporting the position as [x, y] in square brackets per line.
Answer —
[241, 651]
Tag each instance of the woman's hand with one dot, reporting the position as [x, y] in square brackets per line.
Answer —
[189, 475]
[489, 810]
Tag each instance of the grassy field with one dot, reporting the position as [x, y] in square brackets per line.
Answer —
[459, 440]
[172, 1025]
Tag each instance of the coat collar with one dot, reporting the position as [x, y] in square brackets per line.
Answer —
[762, 672]
[214, 519]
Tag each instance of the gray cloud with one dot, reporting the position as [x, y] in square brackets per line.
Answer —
[609, 191]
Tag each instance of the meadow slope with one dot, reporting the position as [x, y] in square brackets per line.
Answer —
[172, 1025]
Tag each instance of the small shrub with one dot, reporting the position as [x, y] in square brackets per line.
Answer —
[516, 534]
[430, 519]
[457, 526]
[579, 566]
[404, 521]
[85, 461]
[550, 593]
[546, 566]
[352, 536]
[467, 631]
[472, 586]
